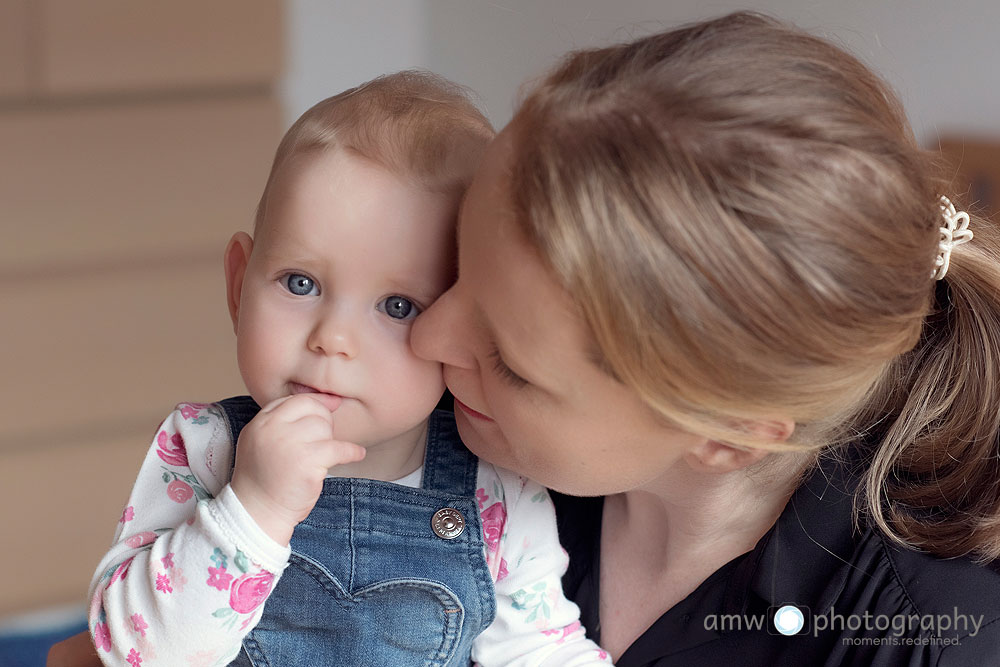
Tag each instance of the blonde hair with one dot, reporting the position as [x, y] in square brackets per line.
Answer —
[416, 124]
[748, 227]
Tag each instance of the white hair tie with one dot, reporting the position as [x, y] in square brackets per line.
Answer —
[954, 232]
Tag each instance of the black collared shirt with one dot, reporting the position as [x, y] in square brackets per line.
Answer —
[862, 600]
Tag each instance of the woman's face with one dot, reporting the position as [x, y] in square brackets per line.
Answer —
[515, 356]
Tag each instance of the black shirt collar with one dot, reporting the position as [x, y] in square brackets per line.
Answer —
[813, 537]
[804, 559]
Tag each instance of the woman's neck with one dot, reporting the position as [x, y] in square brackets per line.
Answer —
[660, 542]
[688, 514]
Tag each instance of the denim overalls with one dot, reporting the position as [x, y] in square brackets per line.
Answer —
[381, 574]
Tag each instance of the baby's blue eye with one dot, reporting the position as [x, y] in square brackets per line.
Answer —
[300, 285]
[398, 307]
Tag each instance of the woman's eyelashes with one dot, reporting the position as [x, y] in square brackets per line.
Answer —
[503, 370]
[300, 284]
[398, 307]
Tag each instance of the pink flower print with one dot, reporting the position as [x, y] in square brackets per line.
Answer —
[190, 410]
[171, 449]
[481, 497]
[568, 630]
[102, 637]
[177, 579]
[163, 583]
[139, 624]
[502, 572]
[140, 539]
[145, 648]
[134, 658]
[179, 492]
[168, 561]
[127, 514]
[602, 654]
[250, 591]
[219, 578]
[494, 517]
[120, 572]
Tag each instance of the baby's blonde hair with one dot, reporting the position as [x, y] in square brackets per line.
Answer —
[748, 227]
[416, 124]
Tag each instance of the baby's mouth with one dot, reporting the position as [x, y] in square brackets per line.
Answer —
[329, 399]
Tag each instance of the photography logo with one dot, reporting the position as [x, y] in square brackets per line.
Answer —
[787, 619]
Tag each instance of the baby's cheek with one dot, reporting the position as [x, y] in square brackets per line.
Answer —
[414, 382]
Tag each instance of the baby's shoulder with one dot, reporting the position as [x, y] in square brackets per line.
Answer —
[496, 484]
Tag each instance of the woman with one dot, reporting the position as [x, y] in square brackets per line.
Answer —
[695, 278]
[695, 287]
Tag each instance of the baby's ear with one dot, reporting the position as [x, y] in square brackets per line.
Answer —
[235, 263]
[719, 457]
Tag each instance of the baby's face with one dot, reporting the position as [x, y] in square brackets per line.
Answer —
[348, 254]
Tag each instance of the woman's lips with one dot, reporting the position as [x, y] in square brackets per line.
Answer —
[472, 413]
[330, 401]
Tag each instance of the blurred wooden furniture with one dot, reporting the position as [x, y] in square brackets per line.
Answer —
[135, 139]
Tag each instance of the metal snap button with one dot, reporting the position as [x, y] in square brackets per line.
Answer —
[448, 523]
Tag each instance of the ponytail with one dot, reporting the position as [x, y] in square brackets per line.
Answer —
[934, 481]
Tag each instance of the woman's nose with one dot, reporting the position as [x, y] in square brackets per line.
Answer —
[335, 334]
[444, 332]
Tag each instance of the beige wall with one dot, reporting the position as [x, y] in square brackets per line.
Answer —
[940, 58]
[134, 139]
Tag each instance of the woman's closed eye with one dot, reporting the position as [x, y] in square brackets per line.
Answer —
[300, 284]
[398, 307]
[503, 370]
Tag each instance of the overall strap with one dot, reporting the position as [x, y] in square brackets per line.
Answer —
[448, 465]
[238, 411]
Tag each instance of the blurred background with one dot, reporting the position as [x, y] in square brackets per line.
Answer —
[136, 137]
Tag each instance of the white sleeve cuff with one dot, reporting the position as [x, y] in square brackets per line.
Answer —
[228, 513]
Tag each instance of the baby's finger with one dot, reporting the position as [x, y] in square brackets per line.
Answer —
[330, 453]
[270, 407]
[309, 428]
[297, 406]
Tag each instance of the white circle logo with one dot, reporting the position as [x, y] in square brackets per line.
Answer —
[788, 620]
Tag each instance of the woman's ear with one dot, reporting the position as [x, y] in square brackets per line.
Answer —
[713, 456]
[235, 263]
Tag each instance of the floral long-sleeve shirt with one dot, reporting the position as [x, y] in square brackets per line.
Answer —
[189, 571]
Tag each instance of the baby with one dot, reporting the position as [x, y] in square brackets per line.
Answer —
[333, 516]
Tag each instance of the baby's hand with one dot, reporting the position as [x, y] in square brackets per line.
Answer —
[283, 457]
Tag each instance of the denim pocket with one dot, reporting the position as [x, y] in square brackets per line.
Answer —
[397, 622]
